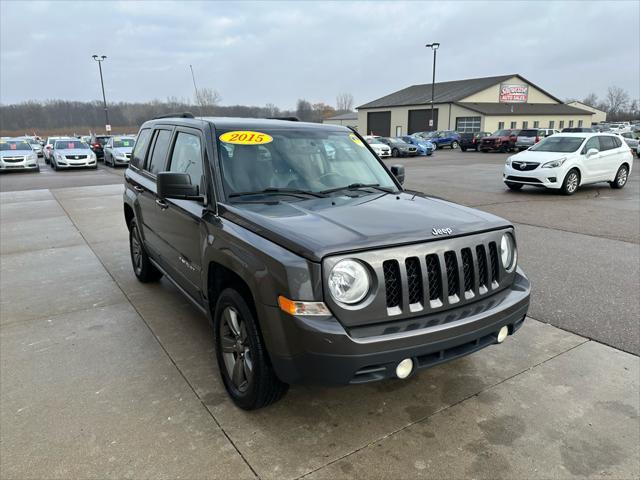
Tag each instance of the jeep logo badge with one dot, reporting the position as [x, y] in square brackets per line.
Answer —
[441, 231]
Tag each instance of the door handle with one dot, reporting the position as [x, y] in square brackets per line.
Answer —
[138, 188]
[162, 204]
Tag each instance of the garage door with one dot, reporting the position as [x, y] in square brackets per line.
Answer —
[379, 123]
[419, 120]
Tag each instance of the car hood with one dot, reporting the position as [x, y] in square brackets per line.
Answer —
[15, 153]
[539, 157]
[73, 151]
[122, 150]
[316, 228]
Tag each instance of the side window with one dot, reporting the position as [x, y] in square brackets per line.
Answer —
[139, 151]
[607, 143]
[187, 157]
[160, 148]
[593, 142]
[618, 142]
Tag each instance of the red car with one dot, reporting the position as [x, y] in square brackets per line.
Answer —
[501, 141]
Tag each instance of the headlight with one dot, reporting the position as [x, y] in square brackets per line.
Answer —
[508, 162]
[508, 252]
[33, 156]
[349, 281]
[554, 163]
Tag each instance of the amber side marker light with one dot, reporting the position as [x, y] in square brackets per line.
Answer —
[293, 307]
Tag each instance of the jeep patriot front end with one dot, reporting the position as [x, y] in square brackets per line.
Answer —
[310, 259]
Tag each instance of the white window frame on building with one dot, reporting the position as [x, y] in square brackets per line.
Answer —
[500, 125]
[536, 124]
[514, 125]
[525, 124]
[580, 123]
[561, 124]
[552, 123]
[468, 124]
[570, 123]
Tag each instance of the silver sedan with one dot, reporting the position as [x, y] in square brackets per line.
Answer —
[72, 153]
[17, 154]
[117, 151]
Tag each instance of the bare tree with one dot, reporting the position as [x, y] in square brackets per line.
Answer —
[272, 110]
[344, 102]
[591, 100]
[617, 99]
[207, 99]
[304, 111]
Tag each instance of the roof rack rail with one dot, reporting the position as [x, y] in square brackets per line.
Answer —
[175, 115]
[289, 119]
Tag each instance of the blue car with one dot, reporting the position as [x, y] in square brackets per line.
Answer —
[441, 138]
[425, 147]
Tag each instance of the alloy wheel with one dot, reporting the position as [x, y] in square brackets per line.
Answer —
[572, 182]
[622, 177]
[136, 250]
[236, 351]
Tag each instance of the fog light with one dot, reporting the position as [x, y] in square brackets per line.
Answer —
[552, 179]
[502, 334]
[404, 368]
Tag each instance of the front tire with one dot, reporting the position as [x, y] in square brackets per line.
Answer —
[454, 145]
[395, 153]
[621, 177]
[571, 182]
[242, 357]
[145, 271]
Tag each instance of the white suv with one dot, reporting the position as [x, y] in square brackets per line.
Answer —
[567, 160]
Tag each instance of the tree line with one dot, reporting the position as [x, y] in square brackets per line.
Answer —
[617, 103]
[51, 115]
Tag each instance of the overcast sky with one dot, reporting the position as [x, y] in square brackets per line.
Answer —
[259, 53]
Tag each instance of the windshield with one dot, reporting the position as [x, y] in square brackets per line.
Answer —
[558, 144]
[310, 160]
[69, 144]
[502, 133]
[373, 141]
[123, 143]
[14, 145]
[395, 140]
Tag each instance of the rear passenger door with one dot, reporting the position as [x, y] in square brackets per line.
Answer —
[149, 209]
[607, 164]
[179, 222]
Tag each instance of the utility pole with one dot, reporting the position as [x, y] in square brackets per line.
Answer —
[434, 47]
[101, 59]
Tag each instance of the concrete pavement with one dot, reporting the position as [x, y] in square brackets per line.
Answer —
[103, 377]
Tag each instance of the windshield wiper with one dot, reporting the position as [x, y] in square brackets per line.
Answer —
[278, 191]
[357, 186]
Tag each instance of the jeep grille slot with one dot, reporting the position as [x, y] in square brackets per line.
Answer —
[467, 267]
[392, 286]
[453, 281]
[414, 280]
[434, 277]
[481, 253]
[493, 253]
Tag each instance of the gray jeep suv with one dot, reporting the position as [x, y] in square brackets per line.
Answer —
[311, 261]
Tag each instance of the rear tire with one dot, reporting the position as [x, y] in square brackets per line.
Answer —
[621, 177]
[464, 149]
[514, 186]
[395, 153]
[571, 182]
[243, 361]
[145, 271]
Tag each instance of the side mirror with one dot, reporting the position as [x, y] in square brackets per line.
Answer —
[176, 185]
[592, 151]
[398, 172]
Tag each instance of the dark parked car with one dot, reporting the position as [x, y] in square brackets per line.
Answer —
[578, 130]
[399, 148]
[314, 267]
[97, 144]
[502, 140]
[471, 141]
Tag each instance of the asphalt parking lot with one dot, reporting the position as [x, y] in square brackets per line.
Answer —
[104, 377]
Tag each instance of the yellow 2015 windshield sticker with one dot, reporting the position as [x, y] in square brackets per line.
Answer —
[246, 137]
[356, 140]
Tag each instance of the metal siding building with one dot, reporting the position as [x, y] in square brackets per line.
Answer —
[473, 105]
[349, 119]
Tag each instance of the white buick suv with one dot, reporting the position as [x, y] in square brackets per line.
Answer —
[566, 161]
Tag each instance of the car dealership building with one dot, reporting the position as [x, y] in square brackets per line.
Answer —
[474, 105]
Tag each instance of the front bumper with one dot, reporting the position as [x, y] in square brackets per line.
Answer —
[68, 163]
[20, 165]
[540, 177]
[321, 350]
[120, 161]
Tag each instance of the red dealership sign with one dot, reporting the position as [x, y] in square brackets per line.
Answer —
[510, 93]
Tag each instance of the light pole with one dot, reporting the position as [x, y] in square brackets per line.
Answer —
[434, 47]
[101, 59]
